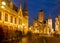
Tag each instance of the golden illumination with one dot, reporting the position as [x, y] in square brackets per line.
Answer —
[30, 28]
[18, 26]
[23, 24]
[3, 3]
[25, 27]
[2, 7]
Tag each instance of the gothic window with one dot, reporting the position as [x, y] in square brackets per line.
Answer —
[11, 19]
[15, 21]
[6, 17]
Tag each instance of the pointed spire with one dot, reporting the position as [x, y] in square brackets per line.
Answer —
[25, 10]
[20, 11]
[25, 7]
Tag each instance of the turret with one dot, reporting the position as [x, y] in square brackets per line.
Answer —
[41, 16]
[25, 10]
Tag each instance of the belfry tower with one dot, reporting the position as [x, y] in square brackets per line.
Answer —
[25, 16]
[41, 20]
[25, 10]
[41, 16]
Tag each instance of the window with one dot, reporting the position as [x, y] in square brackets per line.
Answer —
[11, 19]
[15, 20]
[6, 17]
[0, 15]
[19, 21]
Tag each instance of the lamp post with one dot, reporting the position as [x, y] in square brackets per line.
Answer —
[3, 4]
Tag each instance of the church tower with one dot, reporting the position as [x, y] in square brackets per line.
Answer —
[20, 13]
[25, 10]
[25, 17]
[41, 20]
[41, 16]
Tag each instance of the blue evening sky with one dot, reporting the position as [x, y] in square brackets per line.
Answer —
[48, 6]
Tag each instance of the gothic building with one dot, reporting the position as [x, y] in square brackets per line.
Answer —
[57, 23]
[13, 18]
[44, 26]
[25, 17]
[41, 20]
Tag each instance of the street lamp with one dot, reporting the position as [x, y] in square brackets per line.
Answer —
[3, 3]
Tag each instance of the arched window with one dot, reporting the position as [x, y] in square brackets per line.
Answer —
[11, 19]
[6, 17]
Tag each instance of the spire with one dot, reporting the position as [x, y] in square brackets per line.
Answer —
[25, 7]
[25, 10]
[20, 11]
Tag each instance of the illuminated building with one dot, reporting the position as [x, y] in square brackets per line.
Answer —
[50, 25]
[25, 17]
[36, 26]
[11, 18]
[57, 23]
[46, 28]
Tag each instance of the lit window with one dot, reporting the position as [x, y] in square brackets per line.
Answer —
[6, 17]
[15, 20]
[0, 15]
[11, 19]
